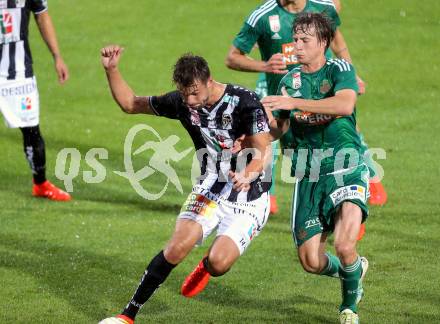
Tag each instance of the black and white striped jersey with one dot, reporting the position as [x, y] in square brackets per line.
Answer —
[15, 53]
[213, 131]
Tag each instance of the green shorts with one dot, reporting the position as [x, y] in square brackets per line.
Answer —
[315, 204]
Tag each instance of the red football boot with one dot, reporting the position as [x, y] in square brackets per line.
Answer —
[378, 195]
[196, 281]
[361, 232]
[273, 204]
[49, 191]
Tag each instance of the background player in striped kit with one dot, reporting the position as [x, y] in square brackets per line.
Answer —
[232, 199]
[19, 100]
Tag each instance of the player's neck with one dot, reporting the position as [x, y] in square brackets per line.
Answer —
[218, 89]
[294, 6]
[314, 66]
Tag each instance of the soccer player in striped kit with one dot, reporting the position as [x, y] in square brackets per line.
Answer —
[19, 99]
[231, 196]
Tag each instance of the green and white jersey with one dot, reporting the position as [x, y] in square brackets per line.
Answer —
[270, 26]
[321, 131]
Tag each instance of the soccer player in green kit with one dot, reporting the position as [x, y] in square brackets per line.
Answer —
[317, 99]
[269, 26]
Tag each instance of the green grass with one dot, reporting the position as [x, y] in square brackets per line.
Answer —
[79, 262]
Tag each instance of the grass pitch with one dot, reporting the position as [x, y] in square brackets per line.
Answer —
[79, 262]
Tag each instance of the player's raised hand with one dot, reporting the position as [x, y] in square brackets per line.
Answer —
[110, 56]
[276, 64]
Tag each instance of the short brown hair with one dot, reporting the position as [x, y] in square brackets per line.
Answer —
[324, 29]
[188, 69]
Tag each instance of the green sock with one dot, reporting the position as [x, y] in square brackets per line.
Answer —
[333, 265]
[350, 275]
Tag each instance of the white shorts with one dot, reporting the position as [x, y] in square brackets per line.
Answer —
[19, 102]
[241, 222]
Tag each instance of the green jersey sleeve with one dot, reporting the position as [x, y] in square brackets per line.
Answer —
[344, 75]
[246, 38]
[334, 17]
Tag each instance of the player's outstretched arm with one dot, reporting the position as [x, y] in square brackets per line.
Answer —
[121, 91]
[47, 31]
[237, 60]
[341, 104]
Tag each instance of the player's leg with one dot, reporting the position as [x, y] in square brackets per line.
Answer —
[348, 205]
[272, 192]
[22, 111]
[308, 232]
[186, 234]
[347, 225]
[238, 227]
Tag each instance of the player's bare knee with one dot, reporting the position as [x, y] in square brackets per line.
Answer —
[310, 263]
[175, 252]
[345, 249]
[217, 265]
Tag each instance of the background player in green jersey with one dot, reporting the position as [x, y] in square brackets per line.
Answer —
[331, 194]
[270, 26]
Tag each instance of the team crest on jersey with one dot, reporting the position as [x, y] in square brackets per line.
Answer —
[324, 87]
[6, 23]
[289, 54]
[226, 121]
[274, 22]
[195, 118]
[296, 80]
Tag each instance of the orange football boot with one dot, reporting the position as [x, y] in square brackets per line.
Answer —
[50, 191]
[378, 195]
[196, 281]
[273, 204]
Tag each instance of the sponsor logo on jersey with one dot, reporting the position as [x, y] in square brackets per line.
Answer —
[324, 87]
[304, 117]
[289, 54]
[6, 23]
[22, 90]
[260, 124]
[348, 193]
[296, 80]
[26, 103]
[199, 205]
[274, 22]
